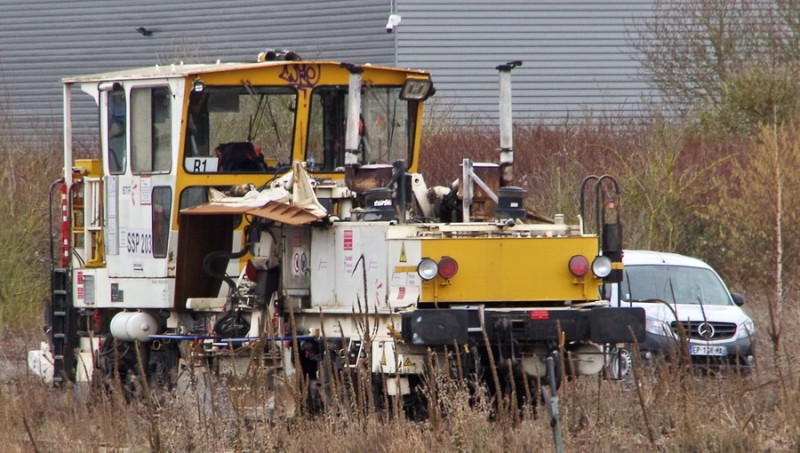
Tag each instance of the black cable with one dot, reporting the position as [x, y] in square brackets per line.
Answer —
[214, 256]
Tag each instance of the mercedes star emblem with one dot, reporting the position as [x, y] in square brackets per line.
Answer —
[706, 330]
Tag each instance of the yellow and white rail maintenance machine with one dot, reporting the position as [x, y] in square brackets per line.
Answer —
[278, 203]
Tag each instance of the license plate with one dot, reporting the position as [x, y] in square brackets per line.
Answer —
[707, 350]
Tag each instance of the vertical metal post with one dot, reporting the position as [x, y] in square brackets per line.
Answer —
[555, 412]
[400, 188]
[67, 134]
[396, 32]
[506, 123]
[352, 137]
[466, 191]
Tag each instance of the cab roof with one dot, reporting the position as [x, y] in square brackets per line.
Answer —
[181, 70]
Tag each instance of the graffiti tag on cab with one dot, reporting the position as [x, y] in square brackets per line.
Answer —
[301, 75]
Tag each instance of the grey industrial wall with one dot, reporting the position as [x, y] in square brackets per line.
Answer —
[575, 53]
[43, 41]
[577, 57]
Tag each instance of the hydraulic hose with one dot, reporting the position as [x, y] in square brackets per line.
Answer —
[214, 256]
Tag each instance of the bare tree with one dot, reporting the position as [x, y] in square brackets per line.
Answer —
[737, 59]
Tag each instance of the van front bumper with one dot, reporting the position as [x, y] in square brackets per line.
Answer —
[738, 353]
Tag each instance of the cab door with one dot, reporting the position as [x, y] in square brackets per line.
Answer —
[139, 140]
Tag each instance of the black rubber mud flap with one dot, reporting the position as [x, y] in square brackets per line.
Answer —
[435, 327]
[617, 325]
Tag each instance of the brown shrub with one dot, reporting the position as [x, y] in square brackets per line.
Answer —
[27, 169]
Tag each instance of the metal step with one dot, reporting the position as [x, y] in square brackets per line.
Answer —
[61, 324]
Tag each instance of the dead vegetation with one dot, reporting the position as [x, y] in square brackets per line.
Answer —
[666, 409]
[682, 191]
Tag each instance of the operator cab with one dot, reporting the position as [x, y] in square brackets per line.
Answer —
[173, 137]
[299, 115]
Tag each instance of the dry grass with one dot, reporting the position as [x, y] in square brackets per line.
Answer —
[669, 410]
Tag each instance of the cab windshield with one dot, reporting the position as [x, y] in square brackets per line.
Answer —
[235, 129]
[386, 127]
[673, 284]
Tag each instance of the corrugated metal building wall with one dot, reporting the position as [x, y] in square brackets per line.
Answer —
[575, 52]
[576, 55]
[43, 41]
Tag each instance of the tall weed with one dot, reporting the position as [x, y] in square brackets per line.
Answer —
[26, 173]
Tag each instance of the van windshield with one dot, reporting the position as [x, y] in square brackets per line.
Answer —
[673, 284]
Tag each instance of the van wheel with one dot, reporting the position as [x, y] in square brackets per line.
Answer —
[620, 367]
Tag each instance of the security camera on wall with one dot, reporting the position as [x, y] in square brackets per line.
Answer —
[392, 23]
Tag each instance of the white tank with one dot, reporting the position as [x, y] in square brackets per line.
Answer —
[588, 359]
[133, 326]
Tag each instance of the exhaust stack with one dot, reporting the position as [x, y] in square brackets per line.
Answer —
[506, 140]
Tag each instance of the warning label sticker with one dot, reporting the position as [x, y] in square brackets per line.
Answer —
[348, 240]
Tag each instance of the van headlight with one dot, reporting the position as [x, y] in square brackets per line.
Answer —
[746, 329]
[658, 327]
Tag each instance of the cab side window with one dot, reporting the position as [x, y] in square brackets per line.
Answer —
[162, 204]
[326, 129]
[151, 129]
[117, 131]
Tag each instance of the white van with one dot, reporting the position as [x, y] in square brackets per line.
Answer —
[672, 288]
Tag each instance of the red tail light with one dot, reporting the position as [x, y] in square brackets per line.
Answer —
[448, 267]
[540, 314]
[579, 265]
